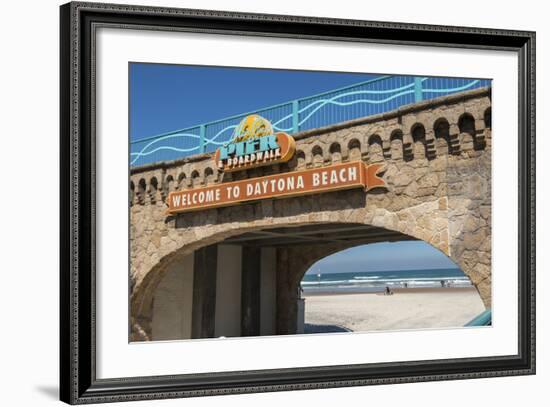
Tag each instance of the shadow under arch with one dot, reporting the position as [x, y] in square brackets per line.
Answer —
[309, 242]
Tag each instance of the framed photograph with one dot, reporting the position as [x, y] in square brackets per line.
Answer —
[255, 203]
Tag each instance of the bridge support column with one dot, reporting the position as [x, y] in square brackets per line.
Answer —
[250, 291]
[228, 291]
[204, 292]
[287, 290]
[268, 283]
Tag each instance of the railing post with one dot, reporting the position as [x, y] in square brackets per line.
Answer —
[295, 123]
[417, 89]
[202, 135]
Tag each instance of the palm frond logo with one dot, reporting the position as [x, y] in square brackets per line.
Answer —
[252, 126]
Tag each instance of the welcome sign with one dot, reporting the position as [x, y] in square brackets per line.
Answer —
[336, 177]
[254, 144]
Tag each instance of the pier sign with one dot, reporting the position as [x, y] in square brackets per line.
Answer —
[254, 144]
[355, 174]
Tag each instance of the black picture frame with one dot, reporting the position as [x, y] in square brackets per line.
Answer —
[78, 382]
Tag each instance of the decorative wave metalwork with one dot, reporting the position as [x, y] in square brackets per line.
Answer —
[363, 99]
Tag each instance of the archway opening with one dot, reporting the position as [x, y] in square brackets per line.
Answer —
[256, 283]
[387, 286]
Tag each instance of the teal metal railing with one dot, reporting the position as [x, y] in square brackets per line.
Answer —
[483, 319]
[367, 98]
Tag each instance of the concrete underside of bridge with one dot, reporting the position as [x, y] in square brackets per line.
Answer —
[248, 285]
[437, 157]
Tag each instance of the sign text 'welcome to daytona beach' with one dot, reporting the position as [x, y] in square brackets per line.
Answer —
[336, 177]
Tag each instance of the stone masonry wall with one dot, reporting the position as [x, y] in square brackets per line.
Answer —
[438, 171]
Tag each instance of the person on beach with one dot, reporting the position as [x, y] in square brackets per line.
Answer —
[388, 291]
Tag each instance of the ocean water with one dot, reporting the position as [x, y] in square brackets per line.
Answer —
[378, 280]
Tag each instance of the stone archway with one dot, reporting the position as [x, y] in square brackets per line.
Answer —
[437, 162]
[427, 221]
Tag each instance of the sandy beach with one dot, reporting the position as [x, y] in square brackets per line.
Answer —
[405, 309]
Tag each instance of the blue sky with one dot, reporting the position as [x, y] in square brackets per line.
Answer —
[408, 255]
[169, 97]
